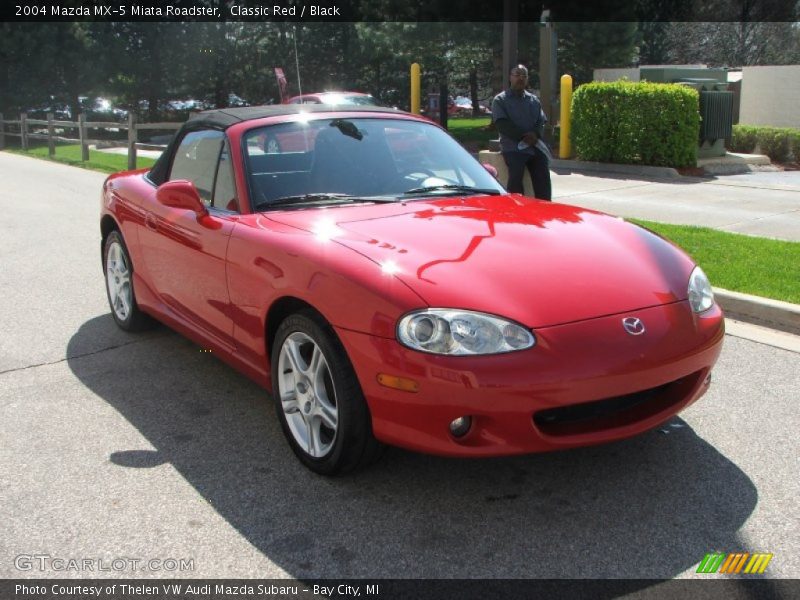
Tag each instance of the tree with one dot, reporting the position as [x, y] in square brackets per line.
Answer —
[734, 44]
[583, 47]
[49, 63]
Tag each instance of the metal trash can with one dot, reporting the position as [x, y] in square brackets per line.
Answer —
[716, 103]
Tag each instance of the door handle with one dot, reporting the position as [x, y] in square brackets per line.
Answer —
[150, 222]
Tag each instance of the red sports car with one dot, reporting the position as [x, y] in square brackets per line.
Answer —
[387, 290]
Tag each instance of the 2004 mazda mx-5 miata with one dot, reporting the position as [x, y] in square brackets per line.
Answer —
[386, 289]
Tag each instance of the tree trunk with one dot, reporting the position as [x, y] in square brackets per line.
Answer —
[74, 105]
[473, 91]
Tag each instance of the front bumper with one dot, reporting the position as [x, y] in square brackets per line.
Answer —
[518, 401]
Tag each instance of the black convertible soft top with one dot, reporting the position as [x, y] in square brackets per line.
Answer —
[222, 118]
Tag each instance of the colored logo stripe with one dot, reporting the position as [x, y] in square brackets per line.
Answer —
[734, 563]
[711, 562]
[758, 564]
[718, 562]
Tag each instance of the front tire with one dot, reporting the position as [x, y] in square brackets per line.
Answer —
[319, 402]
[119, 286]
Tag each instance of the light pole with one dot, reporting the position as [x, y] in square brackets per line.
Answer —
[548, 67]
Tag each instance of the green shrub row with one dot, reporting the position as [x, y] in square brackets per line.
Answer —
[636, 123]
[779, 143]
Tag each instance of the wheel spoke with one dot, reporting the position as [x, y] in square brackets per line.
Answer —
[327, 414]
[122, 267]
[293, 354]
[312, 432]
[317, 367]
[113, 292]
[123, 296]
[289, 403]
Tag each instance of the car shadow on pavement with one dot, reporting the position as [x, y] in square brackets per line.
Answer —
[650, 507]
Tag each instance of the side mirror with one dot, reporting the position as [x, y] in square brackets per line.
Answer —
[181, 194]
[492, 171]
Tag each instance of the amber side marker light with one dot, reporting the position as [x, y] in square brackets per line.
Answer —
[398, 383]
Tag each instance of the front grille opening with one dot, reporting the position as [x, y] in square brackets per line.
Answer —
[618, 411]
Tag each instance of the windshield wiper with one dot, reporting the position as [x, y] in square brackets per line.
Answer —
[452, 187]
[318, 198]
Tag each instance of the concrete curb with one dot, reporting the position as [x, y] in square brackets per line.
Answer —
[597, 167]
[775, 314]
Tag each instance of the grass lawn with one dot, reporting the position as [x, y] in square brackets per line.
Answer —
[740, 263]
[475, 133]
[99, 161]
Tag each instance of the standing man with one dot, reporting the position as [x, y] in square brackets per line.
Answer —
[520, 119]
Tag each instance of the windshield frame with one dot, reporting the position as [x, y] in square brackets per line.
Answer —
[255, 196]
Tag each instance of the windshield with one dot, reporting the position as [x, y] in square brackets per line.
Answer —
[363, 158]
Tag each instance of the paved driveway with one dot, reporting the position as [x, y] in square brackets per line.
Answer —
[763, 204]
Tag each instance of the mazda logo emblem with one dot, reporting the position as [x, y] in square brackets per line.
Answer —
[633, 325]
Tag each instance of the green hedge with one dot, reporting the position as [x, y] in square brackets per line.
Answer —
[744, 139]
[636, 123]
[779, 143]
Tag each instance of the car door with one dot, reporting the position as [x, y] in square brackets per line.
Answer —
[185, 253]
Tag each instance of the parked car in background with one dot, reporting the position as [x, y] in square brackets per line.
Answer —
[335, 99]
[290, 142]
[387, 290]
[60, 111]
[462, 106]
[101, 109]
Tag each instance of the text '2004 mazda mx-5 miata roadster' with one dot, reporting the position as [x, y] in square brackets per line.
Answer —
[387, 290]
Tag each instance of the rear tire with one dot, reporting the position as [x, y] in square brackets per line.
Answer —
[319, 401]
[118, 268]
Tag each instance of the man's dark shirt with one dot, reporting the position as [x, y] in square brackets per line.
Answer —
[516, 114]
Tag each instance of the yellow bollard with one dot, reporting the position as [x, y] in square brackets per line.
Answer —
[415, 85]
[564, 147]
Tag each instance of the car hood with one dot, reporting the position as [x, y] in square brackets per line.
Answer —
[538, 263]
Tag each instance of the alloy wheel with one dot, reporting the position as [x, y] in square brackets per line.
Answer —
[118, 280]
[307, 394]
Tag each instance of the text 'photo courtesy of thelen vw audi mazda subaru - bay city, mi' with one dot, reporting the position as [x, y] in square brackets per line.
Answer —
[364, 268]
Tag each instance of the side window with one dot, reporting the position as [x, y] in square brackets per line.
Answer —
[196, 160]
[225, 188]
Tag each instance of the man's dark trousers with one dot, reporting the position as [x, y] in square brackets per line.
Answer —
[537, 166]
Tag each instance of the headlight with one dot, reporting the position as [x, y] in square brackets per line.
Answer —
[701, 297]
[460, 332]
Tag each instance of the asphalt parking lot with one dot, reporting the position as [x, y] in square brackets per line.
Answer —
[141, 446]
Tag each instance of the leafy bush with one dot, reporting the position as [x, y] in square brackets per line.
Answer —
[775, 143]
[794, 136]
[744, 139]
[779, 143]
[636, 123]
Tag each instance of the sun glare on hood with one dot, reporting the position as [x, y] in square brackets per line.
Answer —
[324, 230]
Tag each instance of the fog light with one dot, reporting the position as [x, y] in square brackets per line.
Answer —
[460, 426]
